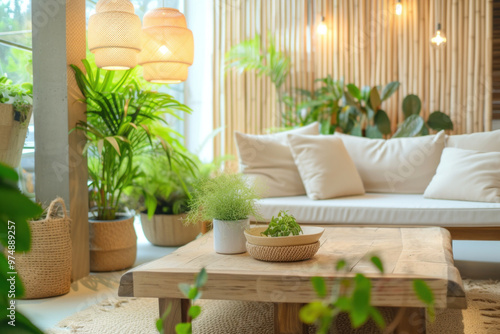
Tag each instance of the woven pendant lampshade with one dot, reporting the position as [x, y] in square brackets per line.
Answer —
[167, 46]
[115, 35]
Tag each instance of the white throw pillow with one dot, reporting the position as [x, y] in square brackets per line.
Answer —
[466, 175]
[325, 167]
[267, 159]
[398, 165]
[480, 141]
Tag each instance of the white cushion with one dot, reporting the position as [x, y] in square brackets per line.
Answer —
[325, 167]
[384, 209]
[480, 141]
[267, 159]
[398, 165]
[467, 176]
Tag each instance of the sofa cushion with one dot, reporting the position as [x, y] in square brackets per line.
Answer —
[325, 167]
[398, 165]
[268, 160]
[480, 141]
[466, 175]
[384, 209]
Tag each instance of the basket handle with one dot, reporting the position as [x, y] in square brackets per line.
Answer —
[54, 208]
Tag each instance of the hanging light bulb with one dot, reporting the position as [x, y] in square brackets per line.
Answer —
[167, 46]
[115, 35]
[322, 28]
[399, 8]
[439, 38]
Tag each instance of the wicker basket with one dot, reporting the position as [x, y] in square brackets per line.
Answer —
[46, 269]
[282, 253]
[113, 244]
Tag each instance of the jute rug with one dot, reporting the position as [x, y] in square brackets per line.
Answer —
[138, 316]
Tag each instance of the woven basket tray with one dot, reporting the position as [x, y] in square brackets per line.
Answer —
[283, 253]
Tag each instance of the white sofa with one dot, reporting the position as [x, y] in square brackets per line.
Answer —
[267, 158]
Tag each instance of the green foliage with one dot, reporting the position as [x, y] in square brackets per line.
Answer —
[193, 293]
[282, 226]
[251, 55]
[356, 302]
[414, 125]
[18, 209]
[352, 296]
[20, 96]
[223, 197]
[123, 122]
[321, 105]
[362, 110]
[425, 294]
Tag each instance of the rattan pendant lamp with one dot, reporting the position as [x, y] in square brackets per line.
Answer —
[115, 35]
[167, 46]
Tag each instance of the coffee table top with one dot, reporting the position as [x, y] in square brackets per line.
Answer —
[407, 254]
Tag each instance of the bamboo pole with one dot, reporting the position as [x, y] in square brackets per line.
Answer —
[488, 112]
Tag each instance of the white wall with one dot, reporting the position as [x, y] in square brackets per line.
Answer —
[199, 86]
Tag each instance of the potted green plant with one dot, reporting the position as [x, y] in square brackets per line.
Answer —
[162, 193]
[228, 200]
[16, 106]
[123, 121]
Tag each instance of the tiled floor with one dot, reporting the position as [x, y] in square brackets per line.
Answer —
[474, 259]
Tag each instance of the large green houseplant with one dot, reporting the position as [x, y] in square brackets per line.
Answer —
[16, 106]
[123, 122]
[228, 200]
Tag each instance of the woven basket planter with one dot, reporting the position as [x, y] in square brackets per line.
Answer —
[169, 230]
[12, 135]
[46, 269]
[113, 244]
[282, 253]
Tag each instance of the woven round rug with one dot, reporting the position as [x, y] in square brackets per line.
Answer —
[138, 316]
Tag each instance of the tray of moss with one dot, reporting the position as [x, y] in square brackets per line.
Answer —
[283, 230]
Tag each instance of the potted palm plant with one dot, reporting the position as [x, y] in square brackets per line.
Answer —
[228, 200]
[16, 106]
[123, 121]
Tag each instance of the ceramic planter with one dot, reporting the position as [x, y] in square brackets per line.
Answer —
[113, 244]
[169, 230]
[229, 237]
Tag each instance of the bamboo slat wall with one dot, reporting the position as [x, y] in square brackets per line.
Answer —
[496, 59]
[367, 44]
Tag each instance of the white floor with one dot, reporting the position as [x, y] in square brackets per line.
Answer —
[474, 259]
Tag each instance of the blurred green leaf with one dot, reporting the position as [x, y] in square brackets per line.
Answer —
[375, 101]
[382, 122]
[389, 89]
[312, 312]
[354, 91]
[373, 132]
[411, 105]
[377, 317]
[183, 328]
[439, 121]
[340, 264]
[424, 293]
[201, 278]
[185, 288]
[194, 311]
[319, 286]
[360, 301]
[378, 263]
[411, 127]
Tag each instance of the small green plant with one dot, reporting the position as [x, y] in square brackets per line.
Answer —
[193, 293]
[282, 226]
[414, 125]
[352, 296]
[224, 197]
[20, 96]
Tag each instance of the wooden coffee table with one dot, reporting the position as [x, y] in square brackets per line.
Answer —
[407, 254]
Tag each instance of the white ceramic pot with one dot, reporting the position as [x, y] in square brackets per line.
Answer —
[229, 237]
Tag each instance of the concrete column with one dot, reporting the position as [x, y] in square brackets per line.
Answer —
[60, 169]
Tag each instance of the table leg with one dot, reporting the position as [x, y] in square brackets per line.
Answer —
[412, 321]
[286, 319]
[178, 312]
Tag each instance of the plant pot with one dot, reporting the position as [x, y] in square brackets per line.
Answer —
[168, 230]
[113, 244]
[229, 237]
[12, 134]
